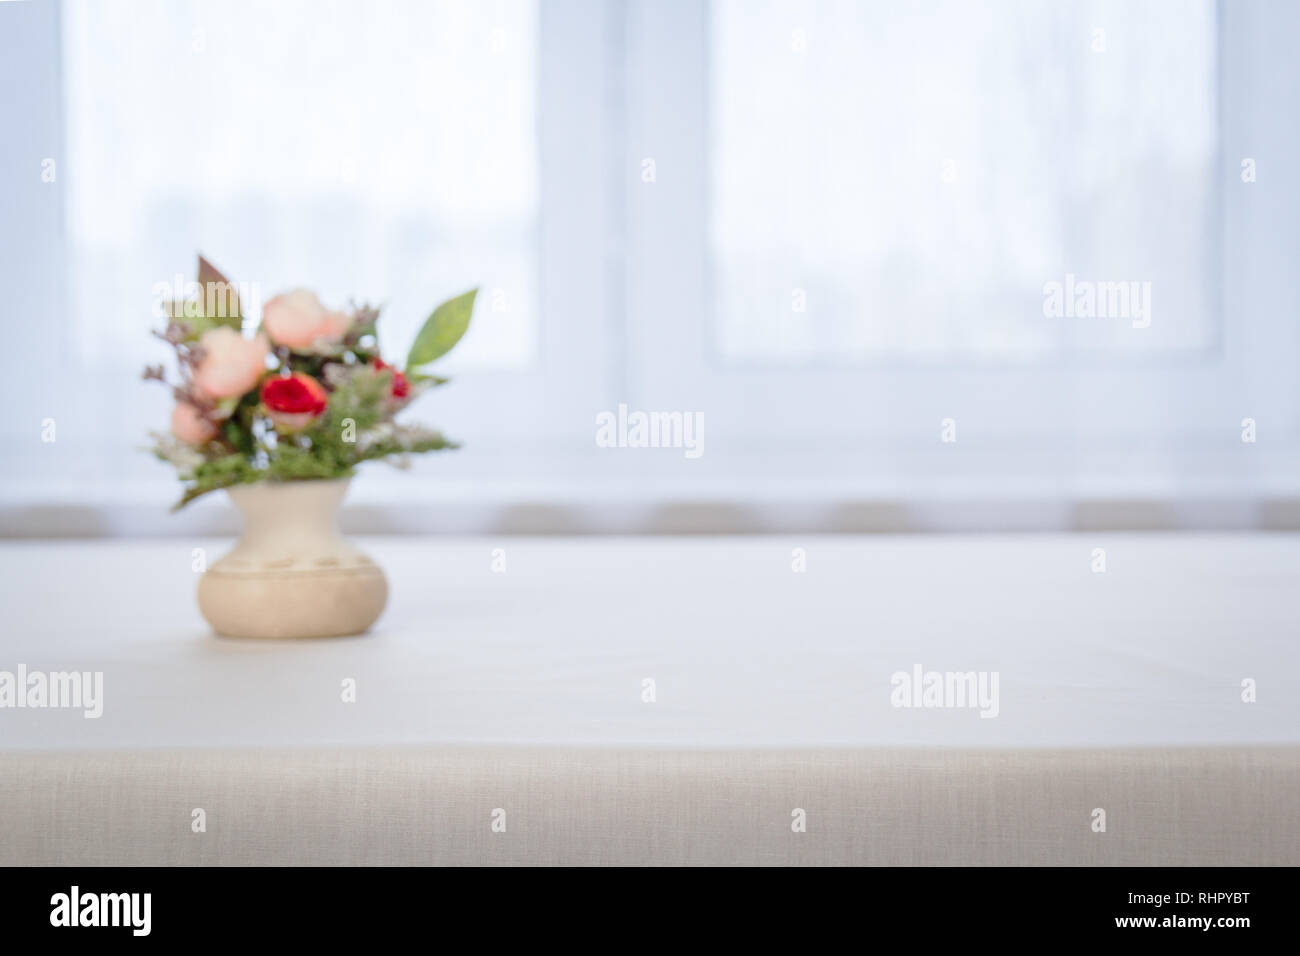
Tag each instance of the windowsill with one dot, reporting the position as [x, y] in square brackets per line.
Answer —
[390, 506]
[870, 486]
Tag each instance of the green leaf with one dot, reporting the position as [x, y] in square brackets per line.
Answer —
[187, 315]
[442, 330]
[424, 378]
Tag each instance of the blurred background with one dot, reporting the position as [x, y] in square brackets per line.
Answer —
[826, 227]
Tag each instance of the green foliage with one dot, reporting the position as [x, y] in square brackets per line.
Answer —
[422, 378]
[366, 327]
[403, 440]
[217, 473]
[354, 427]
[289, 464]
[191, 319]
[442, 330]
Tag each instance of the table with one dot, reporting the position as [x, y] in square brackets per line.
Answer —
[676, 700]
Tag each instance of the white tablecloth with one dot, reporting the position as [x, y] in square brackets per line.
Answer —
[672, 700]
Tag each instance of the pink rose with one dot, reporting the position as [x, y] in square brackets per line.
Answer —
[189, 425]
[297, 320]
[231, 365]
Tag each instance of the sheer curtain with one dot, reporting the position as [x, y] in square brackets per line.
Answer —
[899, 180]
[378, 152]
[383, 150]
[825, 226]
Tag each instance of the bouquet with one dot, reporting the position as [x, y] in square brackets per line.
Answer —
[306, 396]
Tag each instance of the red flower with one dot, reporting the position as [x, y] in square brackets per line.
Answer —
[401, 387]
[293, 401]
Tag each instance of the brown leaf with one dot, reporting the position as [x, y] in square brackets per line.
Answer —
[224, 295]
[209, 273]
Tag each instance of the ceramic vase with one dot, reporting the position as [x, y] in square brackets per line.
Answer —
[292, 574]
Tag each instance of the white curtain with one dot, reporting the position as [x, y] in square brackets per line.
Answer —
[893, 180]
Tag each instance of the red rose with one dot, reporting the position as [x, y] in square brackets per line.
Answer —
[401, 387]
[292, 402]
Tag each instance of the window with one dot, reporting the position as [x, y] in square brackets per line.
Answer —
[925, 298]
[894, 181]
[827, 226]
[383, 151]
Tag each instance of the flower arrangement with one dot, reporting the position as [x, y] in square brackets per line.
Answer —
[307, 396]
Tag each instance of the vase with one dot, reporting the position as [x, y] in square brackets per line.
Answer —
[292, 574]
